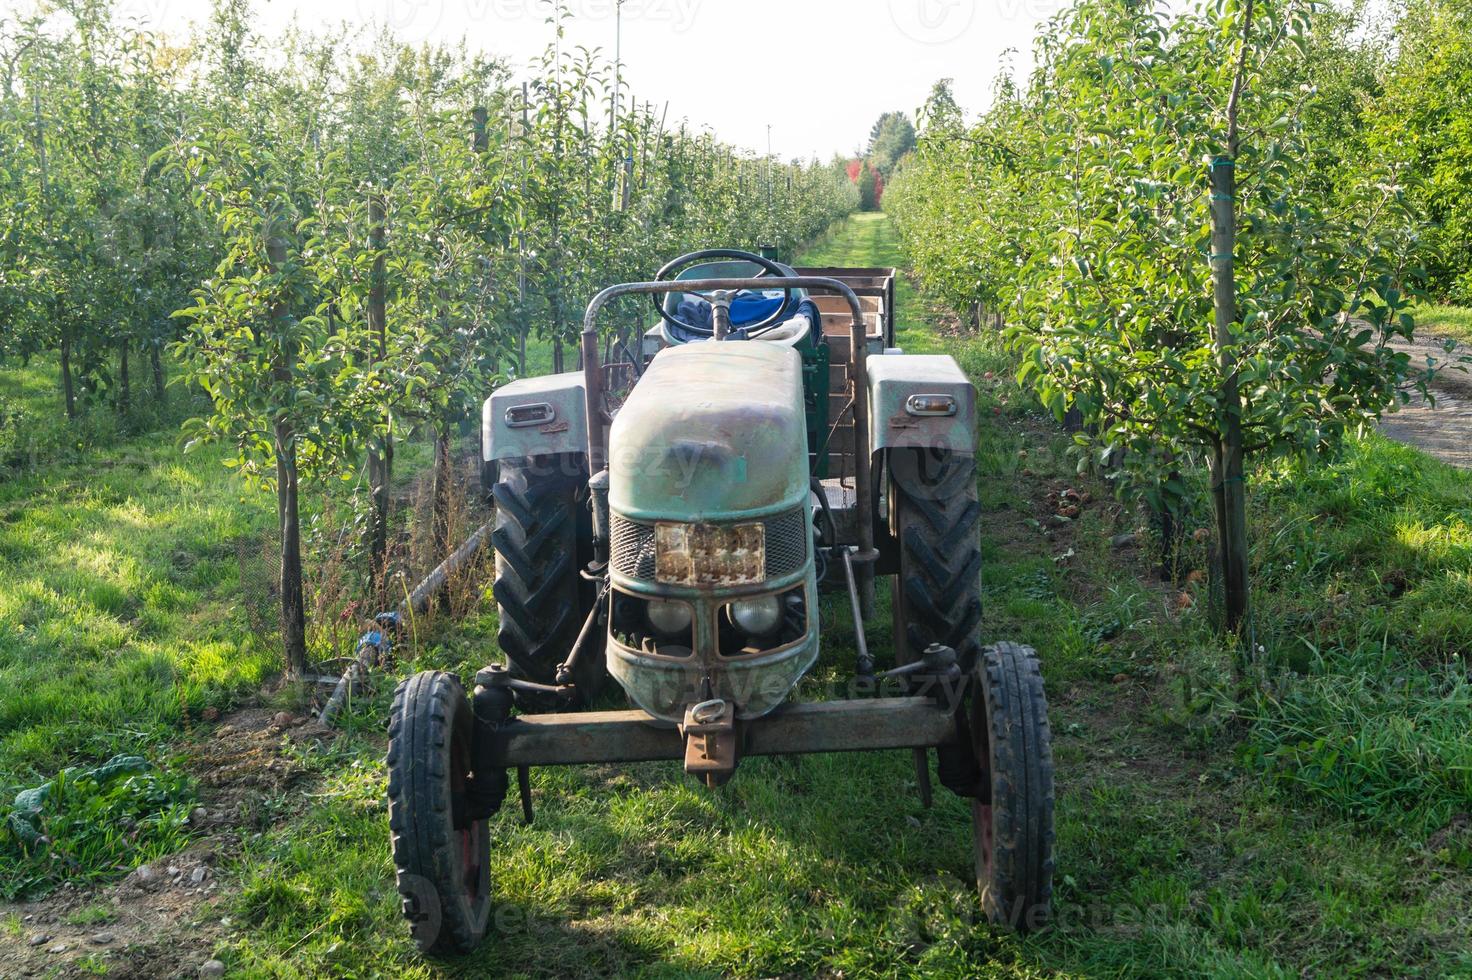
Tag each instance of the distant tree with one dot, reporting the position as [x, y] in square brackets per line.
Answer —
[941, 110]
[869, 182]
[1424, 120]
[892, 136]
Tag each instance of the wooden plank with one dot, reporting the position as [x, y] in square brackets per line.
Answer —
[838, 305]
[851, 276]
[837, 326]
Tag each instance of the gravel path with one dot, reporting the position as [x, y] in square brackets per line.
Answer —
[1443, 430]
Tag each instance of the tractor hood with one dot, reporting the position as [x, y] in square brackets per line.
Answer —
[713, 431]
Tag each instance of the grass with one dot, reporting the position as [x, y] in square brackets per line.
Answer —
[1444, 321]
[1310, 832]
[86, 823]
[120, 612]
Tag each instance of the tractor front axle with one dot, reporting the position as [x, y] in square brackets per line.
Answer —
[578, 738]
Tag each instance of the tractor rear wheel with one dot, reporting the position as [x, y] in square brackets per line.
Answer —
[441, 855]
[1012, 812]
[937, 591]
[543, 540]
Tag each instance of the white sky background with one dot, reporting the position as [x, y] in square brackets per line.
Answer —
[818, 71]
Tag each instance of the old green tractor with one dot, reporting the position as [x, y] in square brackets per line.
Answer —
[668, 517]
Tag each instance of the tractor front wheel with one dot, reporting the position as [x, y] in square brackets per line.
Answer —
[441, 854]
[1012, 813]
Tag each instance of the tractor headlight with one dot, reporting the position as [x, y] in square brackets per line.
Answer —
[667, 617]
[757, 617]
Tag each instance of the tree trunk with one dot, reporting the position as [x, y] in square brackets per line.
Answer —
[380, 478]
[125, 384]
[523, 326]
[293, 602]
[381, 460]
[478, 139]
[1228, 490]
[157, 364]
[1170, 532]
[68, 391]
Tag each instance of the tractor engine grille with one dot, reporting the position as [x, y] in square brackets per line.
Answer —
[788, 536]
[631, 548]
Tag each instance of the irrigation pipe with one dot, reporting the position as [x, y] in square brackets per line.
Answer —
[375, 644]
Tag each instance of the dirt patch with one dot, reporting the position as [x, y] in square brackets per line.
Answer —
[1443, 429]
[1460, 826]
[1059, 517]
[160, 921]
[164, 919]
[246, 758]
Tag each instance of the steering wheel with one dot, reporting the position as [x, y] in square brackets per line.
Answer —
[673, 267]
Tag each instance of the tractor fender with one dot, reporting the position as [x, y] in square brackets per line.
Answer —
[535, 417]
[920, 400]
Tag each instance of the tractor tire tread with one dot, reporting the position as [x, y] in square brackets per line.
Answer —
[1022, 797]
[539, 593]
[419, 813]
[939, 585]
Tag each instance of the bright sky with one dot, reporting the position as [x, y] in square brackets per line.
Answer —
[819, 72]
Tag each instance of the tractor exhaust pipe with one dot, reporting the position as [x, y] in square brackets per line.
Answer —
[598, 495]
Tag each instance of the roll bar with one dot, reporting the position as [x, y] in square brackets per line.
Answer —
[858, 372]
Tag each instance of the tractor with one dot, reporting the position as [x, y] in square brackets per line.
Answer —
[668, 516]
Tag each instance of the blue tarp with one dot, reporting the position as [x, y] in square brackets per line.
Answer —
[747, 309]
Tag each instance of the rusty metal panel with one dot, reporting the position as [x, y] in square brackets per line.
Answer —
[633, 736]
[851, 726]
[710, 554]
